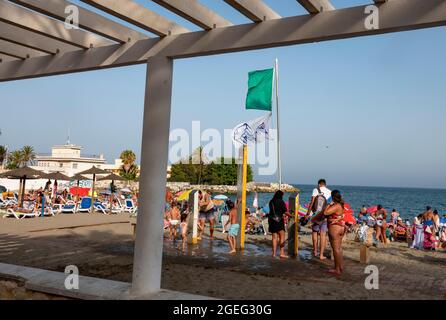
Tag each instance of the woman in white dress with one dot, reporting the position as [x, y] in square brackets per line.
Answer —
[419, 232]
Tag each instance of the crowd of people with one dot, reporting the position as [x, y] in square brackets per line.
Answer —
[52, 198]
[427, 230]
[326, 215]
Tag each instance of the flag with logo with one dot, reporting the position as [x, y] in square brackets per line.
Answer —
[254, 131]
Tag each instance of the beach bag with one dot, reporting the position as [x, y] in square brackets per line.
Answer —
[319, 206]
[274, 216]
[320, 203]
[304, 221]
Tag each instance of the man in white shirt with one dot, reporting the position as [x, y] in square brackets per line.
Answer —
[319, 228]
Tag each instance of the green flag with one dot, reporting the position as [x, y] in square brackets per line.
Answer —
[260, 90]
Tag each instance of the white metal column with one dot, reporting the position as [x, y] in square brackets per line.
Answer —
[152, 183]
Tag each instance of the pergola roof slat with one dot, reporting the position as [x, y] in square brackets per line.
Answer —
[33, 40]
[23, 18]
[6, 58]
[195, 12]
[395, 16]
[18, 51]
[316, 6]
[138, 15]
[88, 20]
[256, 10]
[9, 56]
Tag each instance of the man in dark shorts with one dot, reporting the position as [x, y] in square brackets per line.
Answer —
[320, 228]
[207, 211]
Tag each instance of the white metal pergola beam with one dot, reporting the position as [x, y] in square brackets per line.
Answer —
[255, 10]
[316, 6]
[33, 40]
[88, 20]
[138, 15]
[195, 12]
[147, 262]
[18, 51]
[395, 16]
[26, 19]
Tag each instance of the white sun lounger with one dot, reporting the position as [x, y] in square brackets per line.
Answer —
[101, 208]
[18, 215]
[130, 206]
[69, 207]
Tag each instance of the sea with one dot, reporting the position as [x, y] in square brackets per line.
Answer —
[409, 202]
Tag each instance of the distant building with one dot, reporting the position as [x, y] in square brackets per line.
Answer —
[68, 160]
[115, 167]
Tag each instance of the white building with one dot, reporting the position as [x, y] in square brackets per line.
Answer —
[68, 160]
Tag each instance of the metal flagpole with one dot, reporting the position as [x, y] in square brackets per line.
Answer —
[279, 161]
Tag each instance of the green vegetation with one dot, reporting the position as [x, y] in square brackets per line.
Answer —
[206, 173]
[129, 169]
[18, 158]
[3, 154]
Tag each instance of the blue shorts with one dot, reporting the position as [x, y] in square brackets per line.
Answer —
[233, 230]
[320, 227]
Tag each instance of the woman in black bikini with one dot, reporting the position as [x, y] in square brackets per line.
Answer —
[277, 211]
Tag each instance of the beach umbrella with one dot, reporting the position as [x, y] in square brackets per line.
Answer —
[23, 174]
[221, 197]
[126, 190]
[184, 195]
[57, 176]
[93, 171]
[113, 177]
[78, 177]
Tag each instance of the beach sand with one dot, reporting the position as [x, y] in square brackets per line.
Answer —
[102, 246]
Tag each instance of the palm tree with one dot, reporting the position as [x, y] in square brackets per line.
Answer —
[199, 159]
[129, 169]
[128, 158]
[15, 160]
[3, 154]
[28, 155]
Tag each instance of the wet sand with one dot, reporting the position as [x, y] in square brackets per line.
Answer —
[102, 246]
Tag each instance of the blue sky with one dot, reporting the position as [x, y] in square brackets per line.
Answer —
[377, 102]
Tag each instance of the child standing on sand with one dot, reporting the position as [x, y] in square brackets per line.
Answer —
[233, 230]
[174, 221]
[183, 226]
